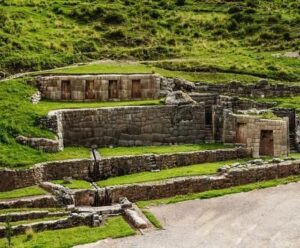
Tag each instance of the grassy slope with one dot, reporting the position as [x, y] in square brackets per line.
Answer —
[237, 37]
[23, 192]
[115, 227]
[163, 149]
[191, 170]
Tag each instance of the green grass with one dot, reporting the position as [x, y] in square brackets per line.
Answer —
[220, 192]
[123, 67]
[191, 170]
[22, 222]
[22, 210]
[227, 37]
[155, 222]
[28, 156]
[114, 227]
[45, 106]
[23, 192]
[163, 149]
[106, 68]
[75, 184]
[284, 102]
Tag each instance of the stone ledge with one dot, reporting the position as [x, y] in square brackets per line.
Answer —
[42, 144]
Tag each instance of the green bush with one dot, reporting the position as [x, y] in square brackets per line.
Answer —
[114, 18]
[115, 35]
[235, 9]
[180, 2]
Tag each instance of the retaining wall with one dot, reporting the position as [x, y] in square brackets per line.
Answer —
[133, 126]
[109, 167]
[260, 89]
[181, 186]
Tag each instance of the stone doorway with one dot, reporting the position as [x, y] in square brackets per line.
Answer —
[113, 89]
[266, 147]
[241, 133]
[90, 89]
[136, 90]
[65, 90]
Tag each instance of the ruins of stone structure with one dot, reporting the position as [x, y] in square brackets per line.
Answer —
[186, 117]
[100, 87]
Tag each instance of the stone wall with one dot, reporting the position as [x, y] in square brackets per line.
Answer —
[249, 130]
[134, 126]
[99, 87]
[260, 89]
[116, 166]
[14, 179]
[182, 186]
[72, 221]
[110, 167]
[41, 144]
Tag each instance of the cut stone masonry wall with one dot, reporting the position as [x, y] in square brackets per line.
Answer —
[133, 126]
[261, 89]
[110, 167]
[187, 185]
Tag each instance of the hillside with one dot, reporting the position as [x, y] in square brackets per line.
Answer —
[238, 37]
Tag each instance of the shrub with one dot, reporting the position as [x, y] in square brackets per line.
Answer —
[234, 9]
[252, 3]
[233, 25]
[114, 18]
[252, 29]
[273, 19]
[267, 36]
[250, 11]
[154, 14]
[287, 36]
[115, 35]
[180, 2]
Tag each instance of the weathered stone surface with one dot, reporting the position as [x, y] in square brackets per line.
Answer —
[71, 221]
[178, 98]
[98, 87]
[42, 144]
[45, 201]
[260, 89]
[30, 215]
[36, 97]
[133, 126]
[135, 219]
[181, 84]
[63, 195]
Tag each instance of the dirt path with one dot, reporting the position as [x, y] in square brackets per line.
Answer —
[262, 218]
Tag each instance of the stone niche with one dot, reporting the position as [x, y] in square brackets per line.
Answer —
[132, 126]
[100, 87]
[265, 137]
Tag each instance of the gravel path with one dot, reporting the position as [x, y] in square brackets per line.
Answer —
[261, 218]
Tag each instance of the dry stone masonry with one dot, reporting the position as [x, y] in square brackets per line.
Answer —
[100, 87]
[133, 126]
[110, 167]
